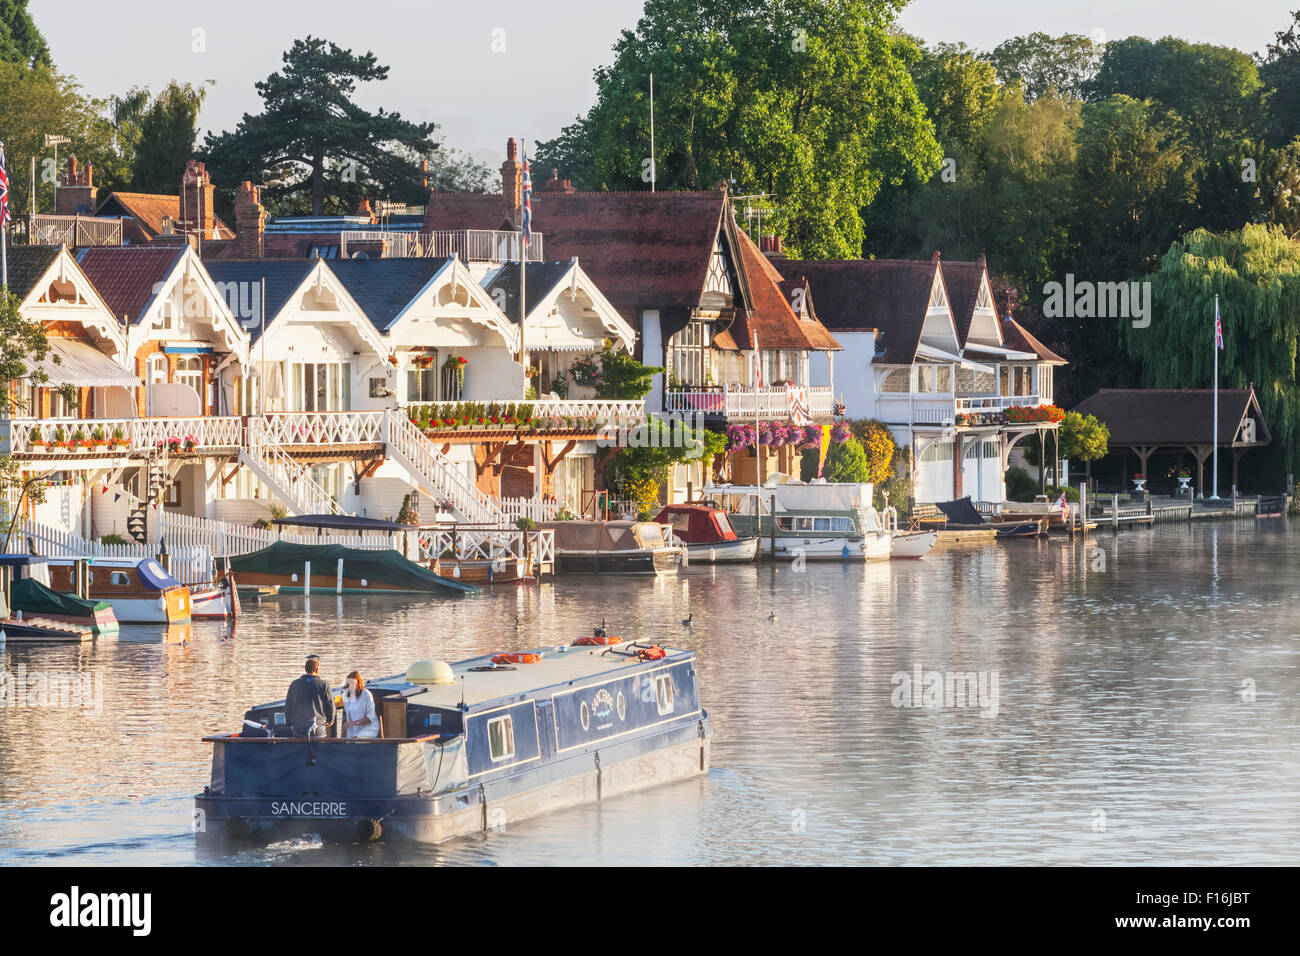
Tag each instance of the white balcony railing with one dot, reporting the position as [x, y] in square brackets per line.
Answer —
[741, 401]
[29, 436]
[324, 428]
[919, 408]
[609, 411]
[471, 245]
[74, 231]
[993, 403]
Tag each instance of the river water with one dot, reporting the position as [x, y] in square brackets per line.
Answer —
[1147, 709]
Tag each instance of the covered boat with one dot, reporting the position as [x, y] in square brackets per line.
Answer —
[334, 569]
[708, 534]
[613, 547]
[32, 599]
[139, 589]
[465, 747]
[962, 515]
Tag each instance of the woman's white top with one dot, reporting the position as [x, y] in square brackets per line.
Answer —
[355, 708]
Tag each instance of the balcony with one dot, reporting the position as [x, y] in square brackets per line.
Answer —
[743, 402]
[537, 416]
[471, 245]
[75, 437]
[74, 231]
[945, 409]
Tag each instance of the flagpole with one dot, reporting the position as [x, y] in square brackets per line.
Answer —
[1214, 478]
[758, 448]
[523, 258]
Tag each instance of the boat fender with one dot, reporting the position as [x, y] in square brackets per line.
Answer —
[593, 639]
[516, 658]
[369, 830]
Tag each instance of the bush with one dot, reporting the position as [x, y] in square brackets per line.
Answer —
[847, 462]
[113, 539]
[1071, 494]
[525, 524]
[1020, 485]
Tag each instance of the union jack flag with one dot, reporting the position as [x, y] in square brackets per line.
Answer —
[1218, 327]
[4, 189]
[528, 203]
[1064, 506]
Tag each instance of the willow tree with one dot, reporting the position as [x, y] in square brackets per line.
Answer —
[1255, 272]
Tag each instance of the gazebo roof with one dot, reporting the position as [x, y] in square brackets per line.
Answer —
[1158, 417]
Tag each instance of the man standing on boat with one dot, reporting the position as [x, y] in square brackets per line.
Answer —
[309, 705]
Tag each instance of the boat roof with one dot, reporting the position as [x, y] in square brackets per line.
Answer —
[562, 665]
[151, 572]
[342, 522]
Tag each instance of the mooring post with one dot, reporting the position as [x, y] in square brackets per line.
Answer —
[306, 578]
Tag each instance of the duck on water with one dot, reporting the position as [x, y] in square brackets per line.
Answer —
[466, 746]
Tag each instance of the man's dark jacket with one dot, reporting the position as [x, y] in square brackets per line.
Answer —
[309, 699]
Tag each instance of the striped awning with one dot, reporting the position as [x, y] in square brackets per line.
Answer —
[84, 366]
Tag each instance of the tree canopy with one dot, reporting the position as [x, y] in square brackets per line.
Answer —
[20, 41]
[314, 147]
[809, 101]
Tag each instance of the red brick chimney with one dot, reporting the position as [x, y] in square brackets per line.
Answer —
[196, 200]
[512, 181]
[250, 220]
[935, 257]
[557, 185]
[76, 192]
[772, 246]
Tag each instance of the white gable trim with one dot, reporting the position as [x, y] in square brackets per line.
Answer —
[92, 312]
[478, 307]
[233, 336]
[320, 277]
[576, 280]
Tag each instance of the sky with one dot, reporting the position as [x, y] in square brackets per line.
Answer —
[444, 67]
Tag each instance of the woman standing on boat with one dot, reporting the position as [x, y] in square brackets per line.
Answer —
[359, 718]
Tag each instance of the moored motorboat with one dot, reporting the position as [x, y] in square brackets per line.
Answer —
[216, 601]
[140, 590]
[911, 544]
[814, 521]
[708, 534]
[465, 747]
[613, 547]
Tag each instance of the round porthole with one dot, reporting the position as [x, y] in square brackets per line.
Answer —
[622, 706]
[585, 715]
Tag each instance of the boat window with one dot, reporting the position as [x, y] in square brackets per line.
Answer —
[841, 524]
[119, 579]
[821, 524]
[501, 738]
[724, 525]
[622, 706]
[664, 693]
[584, 714]
[681, 523]
[785, 524]
[805, 524]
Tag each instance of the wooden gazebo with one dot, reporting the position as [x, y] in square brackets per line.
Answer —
[1145, 421]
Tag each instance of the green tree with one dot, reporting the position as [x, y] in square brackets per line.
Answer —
[1280, 74]
[1255, 271]
[313, 144]
[20, 41]
[167, 128]
[1084, 437]
[622, 377]
[847, 461]
[806, 100]
[22, 345]
[1041, 63]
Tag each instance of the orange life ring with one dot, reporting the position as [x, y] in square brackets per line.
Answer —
[516, 658]
[592, 639]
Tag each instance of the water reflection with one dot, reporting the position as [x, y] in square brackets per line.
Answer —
[1120, 665]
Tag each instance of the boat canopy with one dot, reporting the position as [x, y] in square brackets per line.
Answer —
[32, 597]
[697, 524]
[382, 566]
[606, 535]
[960, 511]
[153, 576]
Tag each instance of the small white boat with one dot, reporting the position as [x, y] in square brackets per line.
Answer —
[216, 601]
[912, 544]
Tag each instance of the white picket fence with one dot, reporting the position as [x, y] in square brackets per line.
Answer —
[535, 508]
[225, 539]
[190, 564]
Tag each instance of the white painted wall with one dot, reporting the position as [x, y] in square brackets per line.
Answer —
[854, 378]
[652, 353]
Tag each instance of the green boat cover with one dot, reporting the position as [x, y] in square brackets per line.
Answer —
[32, 597]
[381, 569]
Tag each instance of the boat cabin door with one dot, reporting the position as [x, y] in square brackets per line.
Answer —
[546, 729]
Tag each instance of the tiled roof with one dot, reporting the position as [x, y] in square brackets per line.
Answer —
[125, 276]
[771, 316]
[644, 250]
[1018, 338]
[384, 287]
[26, 266]
[281, 278]
[542, 278]
[150, 208]
[1178, 417]
[891, 295]
[962, 280]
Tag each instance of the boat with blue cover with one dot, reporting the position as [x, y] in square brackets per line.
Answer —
[467, 747]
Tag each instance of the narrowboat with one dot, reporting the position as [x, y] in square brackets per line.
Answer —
[614, 547]
[334, 569]
[818, 521]
[707, 533]
[140, 590]
[33, 601]
[466, 748]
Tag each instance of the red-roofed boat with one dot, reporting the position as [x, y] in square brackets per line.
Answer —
[708, 534]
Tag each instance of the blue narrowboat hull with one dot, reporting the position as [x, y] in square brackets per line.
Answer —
[673, 752]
